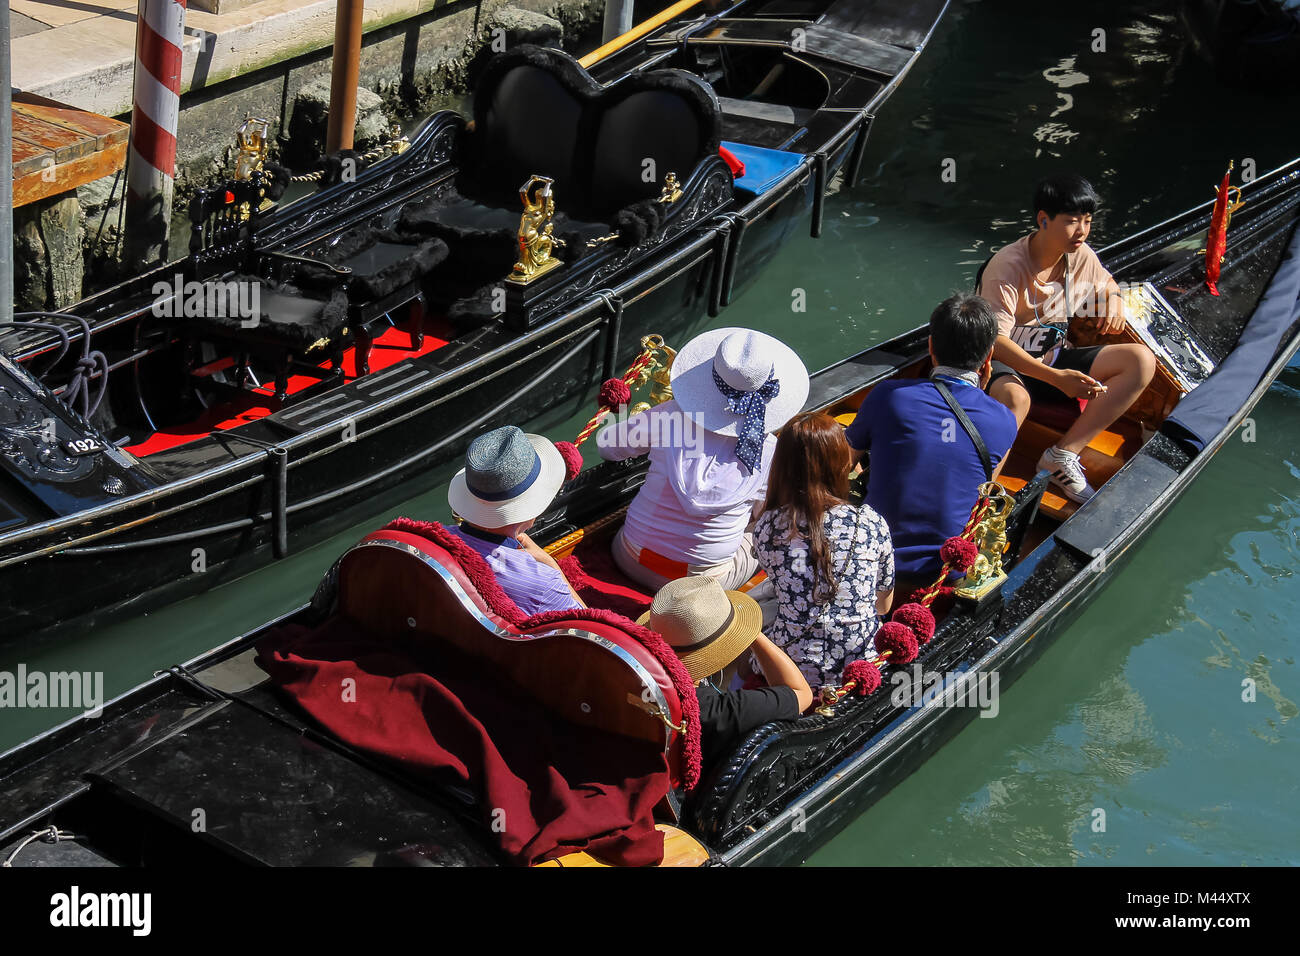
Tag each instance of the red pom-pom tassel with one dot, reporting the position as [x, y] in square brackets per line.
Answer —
[572, 459]
[899, 640]
[613, 393]
[959, 554]
[918, 618]
[864, 674]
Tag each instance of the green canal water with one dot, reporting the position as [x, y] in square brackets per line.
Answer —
[1137, 711]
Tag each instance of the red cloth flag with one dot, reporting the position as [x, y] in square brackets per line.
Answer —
[1217, 240]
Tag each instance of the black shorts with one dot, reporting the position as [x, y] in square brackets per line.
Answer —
[1078, 360]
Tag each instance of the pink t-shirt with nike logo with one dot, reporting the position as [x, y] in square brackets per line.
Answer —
[1026, 308]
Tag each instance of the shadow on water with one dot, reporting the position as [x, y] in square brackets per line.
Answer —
[1137, 709]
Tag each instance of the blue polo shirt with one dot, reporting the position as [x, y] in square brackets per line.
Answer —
[925, 472]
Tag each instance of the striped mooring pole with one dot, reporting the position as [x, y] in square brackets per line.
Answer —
[151, 164]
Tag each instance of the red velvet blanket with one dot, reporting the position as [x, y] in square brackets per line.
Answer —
[544, 789]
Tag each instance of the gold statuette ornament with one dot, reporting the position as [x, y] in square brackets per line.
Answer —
[658, 372]
[251, 140]
[672, 190]
[536, 227]
[986, 574]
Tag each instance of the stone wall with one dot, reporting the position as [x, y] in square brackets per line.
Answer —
[409, 67]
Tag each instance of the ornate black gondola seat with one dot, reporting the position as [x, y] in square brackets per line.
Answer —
[608, 150]
[387, 269]
[308, 308]
[253, 305]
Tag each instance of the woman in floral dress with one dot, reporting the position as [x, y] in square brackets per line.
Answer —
[834, 585]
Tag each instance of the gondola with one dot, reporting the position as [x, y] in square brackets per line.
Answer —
[1254, 44]
[278, 786]
[171, 432]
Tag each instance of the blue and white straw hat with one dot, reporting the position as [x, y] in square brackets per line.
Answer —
[745, 361]
[508, 477]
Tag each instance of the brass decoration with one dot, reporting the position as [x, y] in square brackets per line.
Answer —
[986, 574]
[536, 227]
[251, 139]
[658, 373]
[672, 190]
[827, 699]
[399, 143]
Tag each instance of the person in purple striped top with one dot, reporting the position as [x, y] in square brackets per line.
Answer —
[508, 480]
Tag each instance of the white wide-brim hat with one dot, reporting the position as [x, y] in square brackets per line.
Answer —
[744, 359]
[527, 504]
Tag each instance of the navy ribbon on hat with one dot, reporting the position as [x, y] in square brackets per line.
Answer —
[753, 407]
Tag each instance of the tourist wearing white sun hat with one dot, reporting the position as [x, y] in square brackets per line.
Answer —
[710, 448]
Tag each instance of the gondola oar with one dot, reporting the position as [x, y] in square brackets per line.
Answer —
[638, 31]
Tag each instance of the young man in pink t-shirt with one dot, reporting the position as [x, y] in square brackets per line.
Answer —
[1027, 283]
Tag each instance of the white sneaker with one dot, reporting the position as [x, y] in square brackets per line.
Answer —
[1067, 474]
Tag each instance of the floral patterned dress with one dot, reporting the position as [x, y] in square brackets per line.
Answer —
[822, 637]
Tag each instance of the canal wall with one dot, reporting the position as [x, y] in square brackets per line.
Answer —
[269, 59]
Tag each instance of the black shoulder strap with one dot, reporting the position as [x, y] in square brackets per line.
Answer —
[979, 275]
[969, 425]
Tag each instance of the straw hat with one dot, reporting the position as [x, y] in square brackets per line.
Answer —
[744, 360]
[707, 626]
[508, 477]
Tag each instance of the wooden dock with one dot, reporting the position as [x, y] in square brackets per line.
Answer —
[58, 148]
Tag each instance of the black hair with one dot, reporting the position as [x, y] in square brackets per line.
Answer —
[1068, 192]
[962, 331]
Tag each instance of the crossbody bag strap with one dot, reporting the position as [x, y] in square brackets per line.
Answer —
[969, 425]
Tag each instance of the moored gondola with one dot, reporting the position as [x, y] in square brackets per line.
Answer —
[306, 361]
[123, 787]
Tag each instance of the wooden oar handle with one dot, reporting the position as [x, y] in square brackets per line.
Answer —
[638, 31]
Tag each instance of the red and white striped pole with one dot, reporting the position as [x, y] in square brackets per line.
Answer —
[151, 168]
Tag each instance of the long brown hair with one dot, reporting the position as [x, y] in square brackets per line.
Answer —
[809, 476]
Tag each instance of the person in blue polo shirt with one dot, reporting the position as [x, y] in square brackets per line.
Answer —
[926, 468]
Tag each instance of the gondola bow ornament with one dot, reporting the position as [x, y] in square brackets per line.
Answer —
[654, 367]
[1216, 242]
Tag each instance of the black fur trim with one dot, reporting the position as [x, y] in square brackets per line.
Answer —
[639, 222]
[277, 180]
[333, 166]
[300, 333]
[476, 309]
[422, 260]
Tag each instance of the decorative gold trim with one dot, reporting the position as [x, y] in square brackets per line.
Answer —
[536, 237]
[672, 190]
[986, 574]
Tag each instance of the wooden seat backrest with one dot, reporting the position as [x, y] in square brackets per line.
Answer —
[402, 586]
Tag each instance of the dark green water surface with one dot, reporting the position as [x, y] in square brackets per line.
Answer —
[1137, 710]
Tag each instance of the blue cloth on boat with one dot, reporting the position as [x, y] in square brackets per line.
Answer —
[1206, 409]
[763, 167]
[925, 472]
